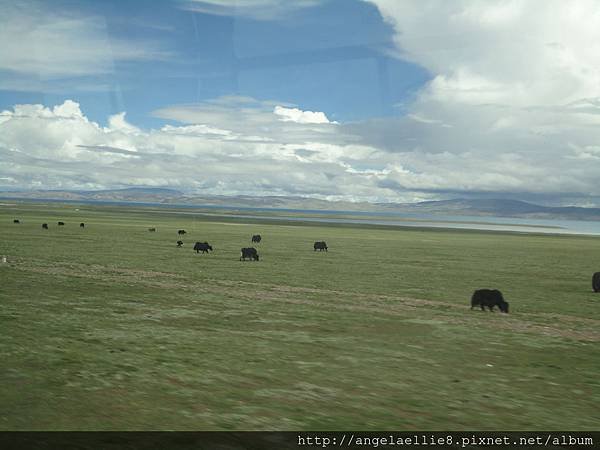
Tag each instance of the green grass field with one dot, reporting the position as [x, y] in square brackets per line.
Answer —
[112, 327]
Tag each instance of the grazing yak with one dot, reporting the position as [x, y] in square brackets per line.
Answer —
[45, 226]
[152, 230]
[61, 224]
[202, 247]
[320, 246]
[179, 243]
[249, 253]
[489, 298]
[181, 231]
[82, 225]
[256, 238]
[596, 282]
[16, 221]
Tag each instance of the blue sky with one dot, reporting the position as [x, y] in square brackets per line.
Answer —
[360, 100]
[314, 57]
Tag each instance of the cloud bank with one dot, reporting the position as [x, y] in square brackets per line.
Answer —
[237, 145]
[231, 146]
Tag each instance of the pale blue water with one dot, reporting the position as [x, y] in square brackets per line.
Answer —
[489, 223]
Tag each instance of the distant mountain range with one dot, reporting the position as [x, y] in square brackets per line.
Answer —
[498, 208]
[456, 207]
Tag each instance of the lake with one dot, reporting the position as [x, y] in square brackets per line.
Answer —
[490, 223]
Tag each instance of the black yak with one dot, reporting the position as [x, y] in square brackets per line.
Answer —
[60, 224]
[249, 253]
[45, 226]
[181, 232]
[256, 238]
[82, 225]
[321, 245]
[596, 282]
[152, 230]
[202, 247]
[16, 221]
[179, 243]
[489, 298]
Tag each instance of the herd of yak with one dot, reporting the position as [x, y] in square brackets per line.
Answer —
[484, 298]
[248, 253]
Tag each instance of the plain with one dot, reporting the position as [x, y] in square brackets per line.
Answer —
[111, 327]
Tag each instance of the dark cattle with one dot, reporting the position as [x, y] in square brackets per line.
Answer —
[202, 247]
[16, 221]
[320, 246]
[181, 232]
[249, 253]
[45, 226]
[152, 230]
[596, 282]
[489, 298]
[60, 224]
[179, 243]
[82, 225]
[256, 238]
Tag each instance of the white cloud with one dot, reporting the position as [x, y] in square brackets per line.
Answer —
[299, 116]
[118, 122]
[510, 52]
[69, 110]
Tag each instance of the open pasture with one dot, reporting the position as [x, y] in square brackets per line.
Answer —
[113, 327]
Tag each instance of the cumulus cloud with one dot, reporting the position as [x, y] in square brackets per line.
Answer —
[513, 101]
[299, 116]
[118, 122]
[505, 52]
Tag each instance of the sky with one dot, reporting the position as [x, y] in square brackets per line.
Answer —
[359, 100]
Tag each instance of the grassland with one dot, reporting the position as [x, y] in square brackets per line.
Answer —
[112, 327]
